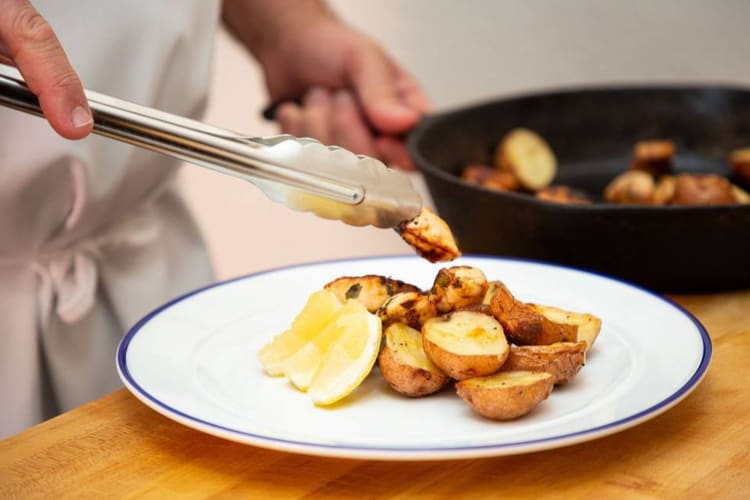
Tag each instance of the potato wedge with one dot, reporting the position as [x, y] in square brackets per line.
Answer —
[585, 326]
[740, 195]
[528, 156]
[372, 290]
[562, 360]
[410, 308]
[506, 395]
[458, 286]
[465, 344]
[430, 236]
[405, 366]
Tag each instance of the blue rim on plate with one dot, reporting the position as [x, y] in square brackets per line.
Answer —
[410, 452]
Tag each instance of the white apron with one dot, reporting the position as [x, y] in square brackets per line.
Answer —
[92, 235]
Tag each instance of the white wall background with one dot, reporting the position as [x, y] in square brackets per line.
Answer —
[461, 51]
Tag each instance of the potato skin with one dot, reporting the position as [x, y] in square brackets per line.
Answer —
[409, 380]
[523, 325]
[505, 402]
[562, 360]
[458, 365]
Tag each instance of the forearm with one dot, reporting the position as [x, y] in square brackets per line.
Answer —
[262, 25]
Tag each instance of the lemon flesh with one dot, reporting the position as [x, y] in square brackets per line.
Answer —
[318, 312]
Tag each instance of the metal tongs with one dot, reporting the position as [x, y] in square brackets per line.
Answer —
[302, 173]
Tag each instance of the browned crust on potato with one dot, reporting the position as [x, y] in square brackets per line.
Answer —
[411, 308]
[505, 402]
[706, 189]
[430, 237]
[563, 360]
[409, 380]
[458, 286]
[523, 325]
[370, 289]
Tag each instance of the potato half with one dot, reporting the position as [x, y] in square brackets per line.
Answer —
[458, 286]
[586, 327]
[506, 395]
[465, 344]
[411, 308]
[405, 366]
[528, 156]
[372, 290]
[562, 360]
[523, 325]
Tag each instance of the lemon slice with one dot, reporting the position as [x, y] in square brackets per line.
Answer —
[320, 310]
[349, 358]
[302, 366]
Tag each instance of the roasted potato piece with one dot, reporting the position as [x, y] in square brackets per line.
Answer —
[740, 195]
[664, 190]
[465, 344]
[523, 325]
[405, 366]
[502, 180]
[458, 286]
[585, 327]
[706, 189]
[410, 308]
[739, 161]
[506, 395]
[562, 360]
[633, 186]
[372, 290]
[654, 157]
[490, 177]
[528, 156]
[562, 194]
[430, 236]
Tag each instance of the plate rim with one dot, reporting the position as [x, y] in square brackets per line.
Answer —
[413, 452]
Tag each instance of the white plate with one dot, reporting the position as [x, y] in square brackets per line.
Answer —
[194, 360]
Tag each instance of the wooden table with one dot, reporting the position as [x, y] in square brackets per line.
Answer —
[117, 447]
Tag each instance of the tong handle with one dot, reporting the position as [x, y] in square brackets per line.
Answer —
[189, 140]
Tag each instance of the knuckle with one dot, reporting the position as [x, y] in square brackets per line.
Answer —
[66, 80]
[30, 26]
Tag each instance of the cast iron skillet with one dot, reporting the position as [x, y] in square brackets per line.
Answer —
[592, 132]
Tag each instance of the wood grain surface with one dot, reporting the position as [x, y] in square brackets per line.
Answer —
[117, 447]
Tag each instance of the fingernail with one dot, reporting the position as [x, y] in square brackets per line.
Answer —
[81, 117]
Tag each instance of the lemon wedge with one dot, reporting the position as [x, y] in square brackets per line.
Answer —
[349, 358]
[319, 310]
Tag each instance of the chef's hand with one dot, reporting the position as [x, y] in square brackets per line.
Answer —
[352, 92]
[28, 42]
